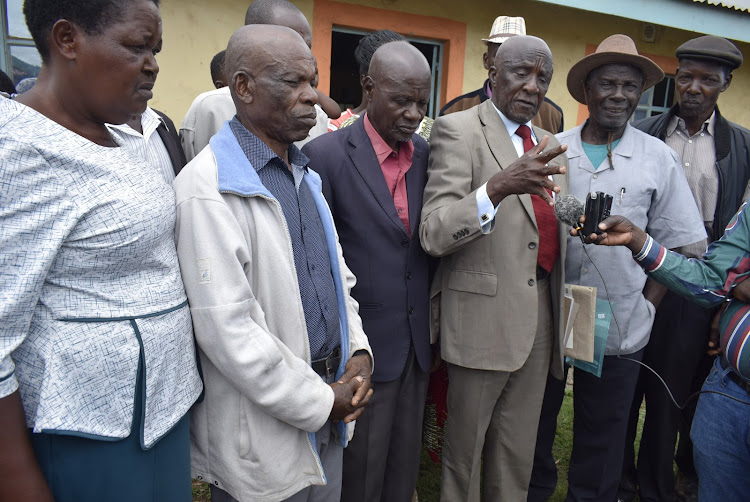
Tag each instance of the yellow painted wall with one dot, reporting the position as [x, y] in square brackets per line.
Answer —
[195, 31]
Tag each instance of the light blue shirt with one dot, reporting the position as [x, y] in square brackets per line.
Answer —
[650, 189]
[486, 211]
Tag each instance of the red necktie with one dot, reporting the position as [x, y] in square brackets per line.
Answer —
[549, 245]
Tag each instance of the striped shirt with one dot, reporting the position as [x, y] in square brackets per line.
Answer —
[698, 154]
[709, 281]
[148, 147]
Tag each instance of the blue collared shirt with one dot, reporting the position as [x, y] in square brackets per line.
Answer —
[305, 229]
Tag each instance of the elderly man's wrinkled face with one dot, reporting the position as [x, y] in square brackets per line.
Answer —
[612, 94]
[398, 103]
[520, 77]
[284, 99]
[698, 84]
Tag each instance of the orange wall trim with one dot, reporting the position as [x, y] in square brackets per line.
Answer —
[667, 64]
[328, 14]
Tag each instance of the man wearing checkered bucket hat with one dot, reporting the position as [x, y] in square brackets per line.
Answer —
[549, 117]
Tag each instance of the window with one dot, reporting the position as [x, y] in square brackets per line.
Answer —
[656, 100]
[345, 87]
[19, 58]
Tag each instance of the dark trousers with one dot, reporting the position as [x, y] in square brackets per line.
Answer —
[544, 475]
[600, 420]
[381, 463]
[677, 352]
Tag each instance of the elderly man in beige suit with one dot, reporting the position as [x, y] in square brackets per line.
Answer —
[499, 290]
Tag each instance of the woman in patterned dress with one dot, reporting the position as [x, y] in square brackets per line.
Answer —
[97, 361]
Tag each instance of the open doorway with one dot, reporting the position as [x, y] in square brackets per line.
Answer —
[345, 88]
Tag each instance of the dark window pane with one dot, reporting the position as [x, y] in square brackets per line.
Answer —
[25, 62]
[660, 92]
[16, 22]
[639, 114]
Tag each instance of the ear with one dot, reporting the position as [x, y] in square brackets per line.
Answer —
[63, 39]
[492, 74]
[368, 85]
[486, 61]
[219, 83]
[244, 86]
[727, 81]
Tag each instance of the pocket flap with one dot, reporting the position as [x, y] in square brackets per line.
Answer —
[473, 282]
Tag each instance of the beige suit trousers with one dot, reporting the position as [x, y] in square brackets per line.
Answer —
[492, 421]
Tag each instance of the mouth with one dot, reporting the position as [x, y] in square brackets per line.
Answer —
[690, 102]
[407, 130]
[615, 111]
[147, 90]
[308, 120]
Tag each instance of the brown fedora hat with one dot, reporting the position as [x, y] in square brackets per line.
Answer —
[613, 50]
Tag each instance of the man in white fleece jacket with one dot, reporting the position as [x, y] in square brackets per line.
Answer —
[285, 361]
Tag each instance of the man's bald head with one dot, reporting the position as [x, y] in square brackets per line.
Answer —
[398, 88]
[522, 47]
[270, 70]
[520, 77]
[398, 59]
[280, 13]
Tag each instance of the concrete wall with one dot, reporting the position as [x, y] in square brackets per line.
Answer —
[194, 32]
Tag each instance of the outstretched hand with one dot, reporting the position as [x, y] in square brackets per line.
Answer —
[529, 174]
[617, 231]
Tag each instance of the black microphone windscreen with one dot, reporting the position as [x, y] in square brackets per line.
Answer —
[568, 209]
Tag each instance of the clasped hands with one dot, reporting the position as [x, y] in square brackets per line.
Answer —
[352, 391]
[528, 175]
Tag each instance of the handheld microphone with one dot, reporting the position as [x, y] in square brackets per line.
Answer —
[568, 210]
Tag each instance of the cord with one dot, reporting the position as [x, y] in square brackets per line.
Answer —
[666, 387]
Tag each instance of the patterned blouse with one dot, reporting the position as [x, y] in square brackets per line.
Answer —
[90, 287]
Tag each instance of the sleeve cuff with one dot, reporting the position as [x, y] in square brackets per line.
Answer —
[485, 210]
[651, 256]
[8, 382]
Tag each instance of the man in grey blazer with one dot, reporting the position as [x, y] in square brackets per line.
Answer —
[499, 290]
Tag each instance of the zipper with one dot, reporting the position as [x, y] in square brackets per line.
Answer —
[280, 211]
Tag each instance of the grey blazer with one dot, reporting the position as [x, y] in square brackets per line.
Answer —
[485, 288]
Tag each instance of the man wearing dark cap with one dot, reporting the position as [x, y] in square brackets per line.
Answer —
[714, 156]
[549, 117]
[607, 154]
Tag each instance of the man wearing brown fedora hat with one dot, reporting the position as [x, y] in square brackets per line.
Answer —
[715, 160]
[643, 175]
[549, 117]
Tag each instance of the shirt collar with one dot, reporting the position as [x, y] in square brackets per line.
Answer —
[676, 122]
[150, 121]
[511, 126]
[260, 155]
[382, 150]
[488, 89]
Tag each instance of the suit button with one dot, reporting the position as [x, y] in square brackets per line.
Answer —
[408, 276]
[455, 237]
[405, 243]
[411, 310]
[532, 245]
[531, 282]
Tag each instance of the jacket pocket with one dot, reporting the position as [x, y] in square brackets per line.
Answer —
[473, 282]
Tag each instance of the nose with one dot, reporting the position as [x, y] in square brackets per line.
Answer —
[413, 113]
[151, 66]
[532, 85]
[619, 95]
[308, 94]
[694, 87]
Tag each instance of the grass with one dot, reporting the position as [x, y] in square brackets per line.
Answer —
[428, 485]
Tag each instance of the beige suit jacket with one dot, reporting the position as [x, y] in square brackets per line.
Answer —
[485, 287]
